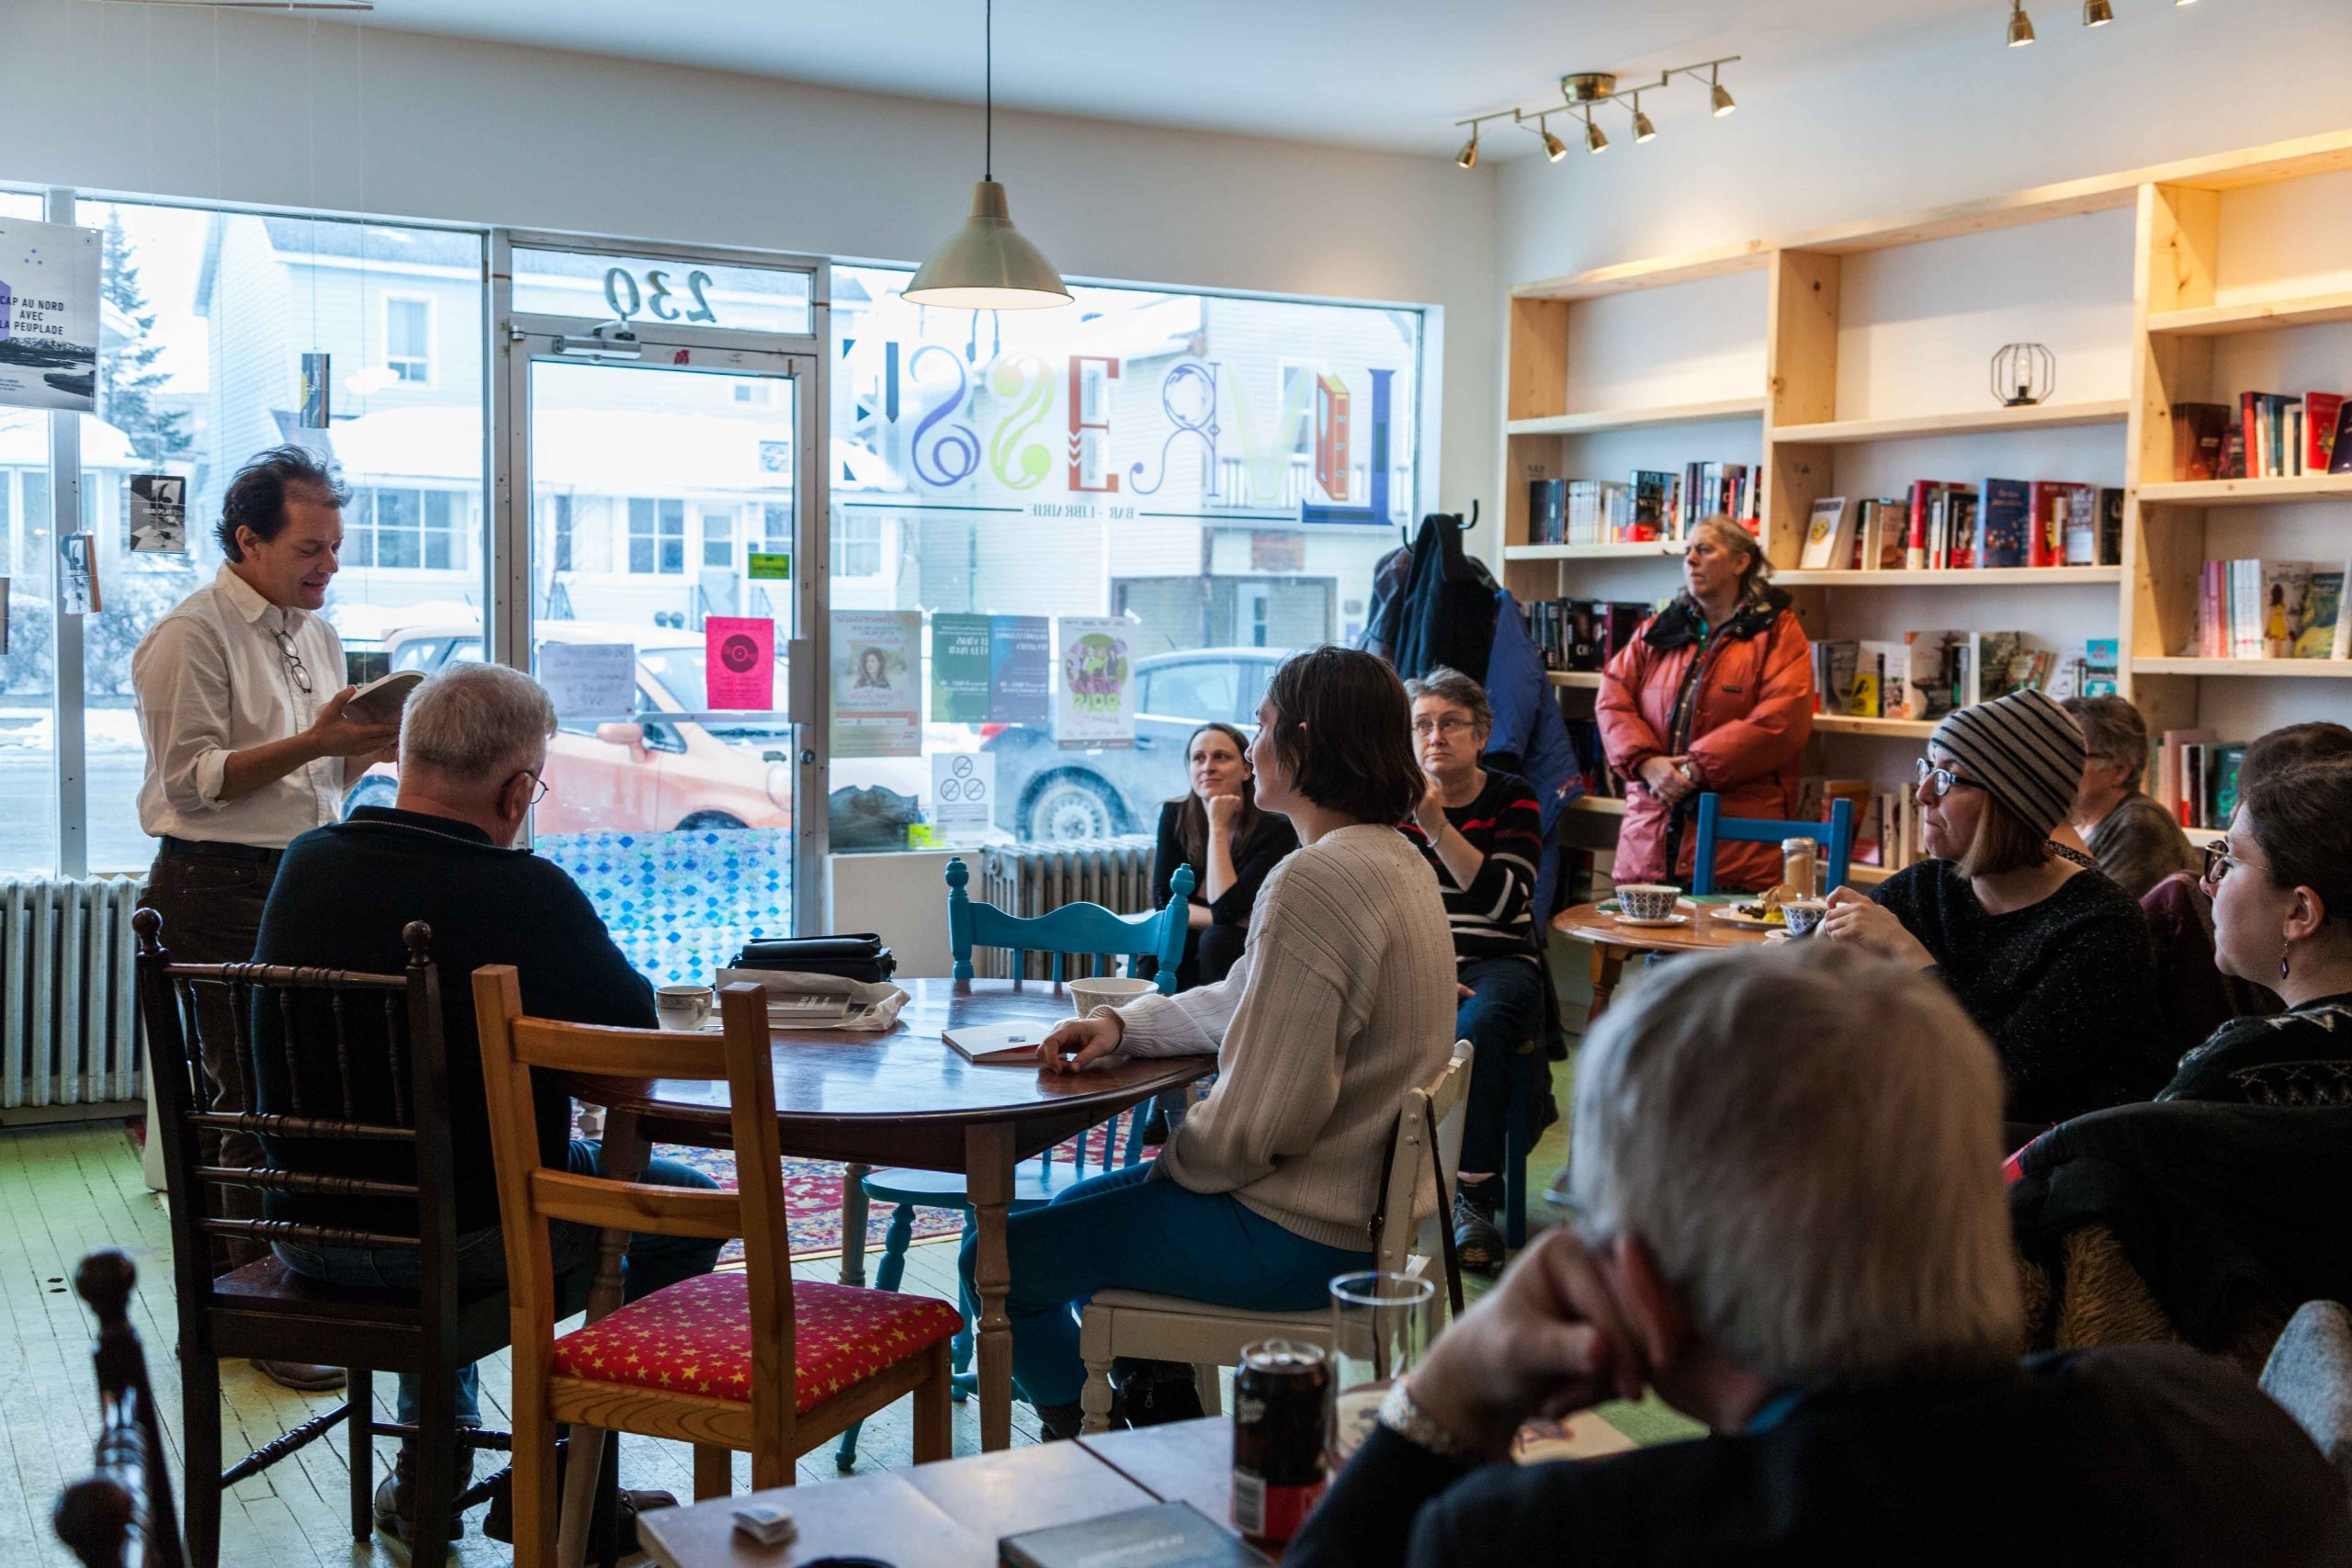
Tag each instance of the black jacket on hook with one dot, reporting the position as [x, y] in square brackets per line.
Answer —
[1443, 613]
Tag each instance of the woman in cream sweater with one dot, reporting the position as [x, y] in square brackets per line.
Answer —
[1343, 999]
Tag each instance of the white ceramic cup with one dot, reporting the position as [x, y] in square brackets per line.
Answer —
[1803, 914]
[1647, 901]
[1107, 990]
[681, 1007]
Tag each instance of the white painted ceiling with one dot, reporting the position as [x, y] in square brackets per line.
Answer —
[1383, 73]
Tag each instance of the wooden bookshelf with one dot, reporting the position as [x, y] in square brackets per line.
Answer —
[1868, 875]
[1639, 418]
[1599, 806]
[1980, 421]
[1582, 680]
[2178, 266]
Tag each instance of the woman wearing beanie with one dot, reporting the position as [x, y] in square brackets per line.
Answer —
[2048, 955]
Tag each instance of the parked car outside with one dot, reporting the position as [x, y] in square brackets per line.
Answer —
[1044, 793]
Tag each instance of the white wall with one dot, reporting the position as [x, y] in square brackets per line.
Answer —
[274, 111]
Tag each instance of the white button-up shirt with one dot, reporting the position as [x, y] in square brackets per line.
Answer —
[212, 679]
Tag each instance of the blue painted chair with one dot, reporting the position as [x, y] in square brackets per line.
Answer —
[1072, 930]
[1835, 837]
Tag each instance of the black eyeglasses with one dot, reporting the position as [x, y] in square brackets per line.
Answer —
[2218, 861]
[294, 665]
[1937, 781]
[538, 785]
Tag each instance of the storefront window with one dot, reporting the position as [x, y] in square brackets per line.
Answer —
[1063, 539]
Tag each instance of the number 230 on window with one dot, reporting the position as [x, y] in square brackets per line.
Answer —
[655, 297]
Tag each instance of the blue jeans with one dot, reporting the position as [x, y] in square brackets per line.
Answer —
[1125, 1231]
[1502, 1015]
[651, 1262]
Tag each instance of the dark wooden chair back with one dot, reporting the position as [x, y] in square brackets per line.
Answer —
[126, 1501]
[380, 1027]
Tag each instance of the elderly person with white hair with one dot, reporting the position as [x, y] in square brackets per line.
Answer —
[473, 761]
[1790, 1223]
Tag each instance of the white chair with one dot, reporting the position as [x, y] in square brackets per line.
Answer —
[1172, 1329]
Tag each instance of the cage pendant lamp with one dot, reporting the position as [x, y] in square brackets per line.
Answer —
[987, 265]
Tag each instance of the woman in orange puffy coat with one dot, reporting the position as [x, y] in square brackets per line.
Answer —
[1715, 693]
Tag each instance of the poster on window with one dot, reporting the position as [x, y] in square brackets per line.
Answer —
[49, 316]
[159, 514]
[1097, 688]
[1021, 670]
[959, 668]
[878, 682]
[739, 661]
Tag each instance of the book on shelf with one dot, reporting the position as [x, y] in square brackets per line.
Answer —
[2102, 666]
[2195, 777]
[2339, 450]
[2287, 437]
[1928, 686]
[2167, 772]
[1582, 634]
[2233, 453]
[2323, 414]
[2272, 609]
[2007, 526]
[2322, 613]
[1878, 680]
[1833, 676]
[2197, 433]
[1656, 506]
[1828, 534]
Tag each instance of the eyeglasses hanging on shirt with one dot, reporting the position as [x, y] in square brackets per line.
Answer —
[294, 665]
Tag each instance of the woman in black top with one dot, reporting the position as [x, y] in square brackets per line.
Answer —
[2281, 883]
[2048, 956]
[1216, 828]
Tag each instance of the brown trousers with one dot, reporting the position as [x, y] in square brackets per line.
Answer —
[211, 908]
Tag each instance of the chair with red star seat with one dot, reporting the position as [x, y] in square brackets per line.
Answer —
[726, 1361]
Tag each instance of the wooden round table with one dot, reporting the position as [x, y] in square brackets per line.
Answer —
[902, 1097]
[1613, 941]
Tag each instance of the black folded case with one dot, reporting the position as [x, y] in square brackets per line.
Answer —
[854, 956]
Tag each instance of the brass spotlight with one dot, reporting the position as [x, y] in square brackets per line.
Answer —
[2020, 25]
[1554, 148]
[1717, 94]
[1468, 157]
[1643, 129]
[1595, 139]
[2098, 13]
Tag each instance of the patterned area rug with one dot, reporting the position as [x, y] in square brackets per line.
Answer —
[812, 1200]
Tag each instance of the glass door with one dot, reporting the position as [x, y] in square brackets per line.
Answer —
[659, 488]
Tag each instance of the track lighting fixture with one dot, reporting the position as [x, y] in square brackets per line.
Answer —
[1580, 90]
[2098, 13]
[2020, 25]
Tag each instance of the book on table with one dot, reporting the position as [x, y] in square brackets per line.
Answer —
[1164, 1535]
[999, 1045]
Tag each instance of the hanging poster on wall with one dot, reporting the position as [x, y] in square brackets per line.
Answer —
[159, 514]
[959, 668]
[49, 316]
[1096, 690]
[878, 682]
[739, 660]
[1021, 670]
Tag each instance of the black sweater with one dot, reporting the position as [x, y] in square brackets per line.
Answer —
[1252, 861]
[2299, 1057]
[2065, 987]
[2147, 1455]
[1490, 918]
[342, 895]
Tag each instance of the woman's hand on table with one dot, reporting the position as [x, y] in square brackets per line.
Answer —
[1855, 919]
[1077, 1043]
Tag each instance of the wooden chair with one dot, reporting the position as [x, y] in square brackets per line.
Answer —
[129, 1496]
[1072, 930]
[1835, 837]
[732, 1360]
[386, 1030]
[1171, 1328]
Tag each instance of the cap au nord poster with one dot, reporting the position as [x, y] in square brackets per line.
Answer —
[49, 316]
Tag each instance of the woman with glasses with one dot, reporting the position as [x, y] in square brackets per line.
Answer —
[1714, 694]
[2048, 956]
[2281, 885]
[1482, 833]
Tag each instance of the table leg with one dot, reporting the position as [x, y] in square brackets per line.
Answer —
[625, 1157]
[988, 1174]
[854, 1210]
[1608, 966]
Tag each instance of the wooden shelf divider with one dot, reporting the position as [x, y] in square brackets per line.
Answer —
[2249, 669]
[1582, 680]
[2247, 493]
[2254, 316]
[1979, 422]
[1987, 577]
[1637, 418]
[1847, 724]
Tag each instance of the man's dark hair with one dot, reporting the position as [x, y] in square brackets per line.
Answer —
[2302, 817]
[1344, 733]
[257, 496]
[2293, 745]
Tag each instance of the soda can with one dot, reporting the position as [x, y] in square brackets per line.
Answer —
[1282, 1399]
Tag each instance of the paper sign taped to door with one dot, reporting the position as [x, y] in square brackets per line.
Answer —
[590, 679]
[739, 654]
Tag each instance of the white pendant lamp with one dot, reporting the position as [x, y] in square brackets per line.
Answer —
[985, 265]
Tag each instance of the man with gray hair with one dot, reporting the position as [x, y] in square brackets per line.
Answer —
[473, 762]
[2134, 839]
[1789, 1220]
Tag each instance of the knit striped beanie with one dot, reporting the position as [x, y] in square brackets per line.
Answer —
[2025, 749]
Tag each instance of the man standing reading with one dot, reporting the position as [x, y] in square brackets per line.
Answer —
[241, 703]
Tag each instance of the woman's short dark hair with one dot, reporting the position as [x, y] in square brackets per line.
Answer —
[1344, 732]
[257, 496]
[2292, 746]
[2301, 820]
[2003, 843]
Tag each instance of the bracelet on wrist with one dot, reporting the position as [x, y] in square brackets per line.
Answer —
[1410, 1422]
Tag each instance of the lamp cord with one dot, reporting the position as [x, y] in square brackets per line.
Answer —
[988, 90]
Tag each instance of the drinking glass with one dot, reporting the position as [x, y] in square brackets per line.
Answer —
[1380, 1329]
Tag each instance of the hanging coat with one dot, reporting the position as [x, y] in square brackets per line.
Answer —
[1738, 703]
[1444, 611]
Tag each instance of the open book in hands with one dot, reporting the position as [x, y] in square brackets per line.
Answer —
[1000, 1045]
